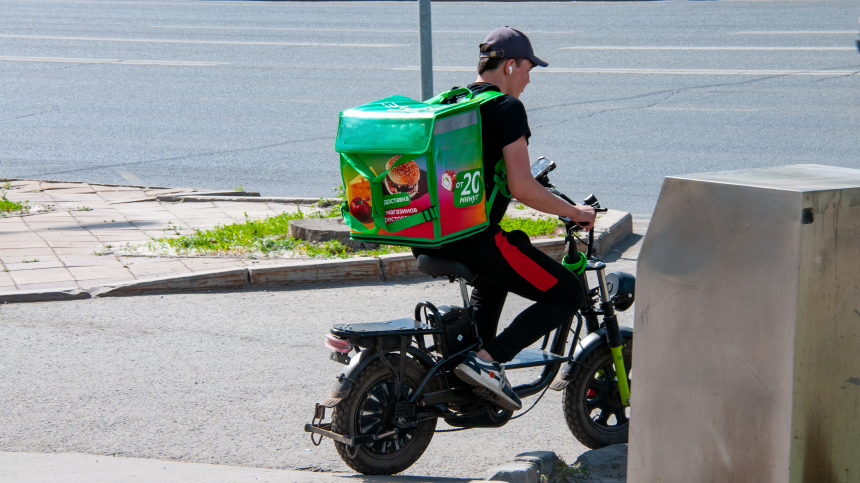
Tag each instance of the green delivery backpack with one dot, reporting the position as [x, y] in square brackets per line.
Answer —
[413, 171]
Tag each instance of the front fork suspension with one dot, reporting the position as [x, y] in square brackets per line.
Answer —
[613, 338]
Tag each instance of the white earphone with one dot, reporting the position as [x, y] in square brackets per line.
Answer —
[510, 69]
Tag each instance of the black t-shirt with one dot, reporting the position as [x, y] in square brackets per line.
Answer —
[503, 121]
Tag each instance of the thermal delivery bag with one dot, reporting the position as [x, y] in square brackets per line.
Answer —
[413, 171]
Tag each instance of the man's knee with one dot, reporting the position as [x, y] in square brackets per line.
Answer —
[568, 291]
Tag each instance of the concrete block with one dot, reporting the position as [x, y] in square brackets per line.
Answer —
[613, 227]
[324, 229]
[27, 296]
[545, 460]
[607, 465]
[400, 265]
[515, 472]
[203, 280]
[342, 270]
[554, 247]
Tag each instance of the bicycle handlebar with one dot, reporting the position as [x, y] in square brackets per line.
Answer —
[569, 224]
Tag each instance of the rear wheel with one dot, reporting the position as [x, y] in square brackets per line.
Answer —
[592, 404]
[369, 409]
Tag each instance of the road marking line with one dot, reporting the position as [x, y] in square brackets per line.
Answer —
[113, 61]
[794, 32]
[216, 42]
[620, 47]
[310, 29]
[557, 70]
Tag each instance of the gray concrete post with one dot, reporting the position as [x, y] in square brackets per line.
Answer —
[425, 43]
[747, 357]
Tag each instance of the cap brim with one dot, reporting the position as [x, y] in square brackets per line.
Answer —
[538, 61]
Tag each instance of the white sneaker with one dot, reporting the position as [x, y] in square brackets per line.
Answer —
[490, 376]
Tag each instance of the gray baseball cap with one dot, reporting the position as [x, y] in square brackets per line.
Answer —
[508, 43]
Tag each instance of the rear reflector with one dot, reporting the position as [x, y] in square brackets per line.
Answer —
[336, 344]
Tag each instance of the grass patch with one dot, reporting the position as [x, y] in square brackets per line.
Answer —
[567, 474]
[531, 226]
[267, 237]
[7, 206]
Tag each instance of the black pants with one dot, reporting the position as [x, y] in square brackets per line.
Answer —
[507, 262]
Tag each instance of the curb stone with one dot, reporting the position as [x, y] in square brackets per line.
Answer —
[525, 468]
[243, 198]
[203, 280]
[515, 472]
[546, 460]
[40, 296]
[343, 270]
[399, 265]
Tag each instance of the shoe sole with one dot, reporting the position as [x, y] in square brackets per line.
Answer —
[500, 398]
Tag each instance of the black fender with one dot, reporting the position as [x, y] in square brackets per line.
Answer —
[584, 349]
[346, 379]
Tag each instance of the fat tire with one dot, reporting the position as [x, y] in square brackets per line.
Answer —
[586, 429]
[345, 416]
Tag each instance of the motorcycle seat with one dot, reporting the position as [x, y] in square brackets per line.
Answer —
[441, 267]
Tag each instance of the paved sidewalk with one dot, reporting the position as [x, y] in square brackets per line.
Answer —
[56, 249]
[68, 246]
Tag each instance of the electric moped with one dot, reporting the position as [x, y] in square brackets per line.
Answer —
[400, 381]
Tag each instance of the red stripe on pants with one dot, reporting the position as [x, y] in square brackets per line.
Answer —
[525, 266]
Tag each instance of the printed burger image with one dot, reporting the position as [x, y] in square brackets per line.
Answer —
[403, 178]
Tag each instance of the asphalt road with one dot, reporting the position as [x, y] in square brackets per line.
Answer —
[226, 94]
[229, 377]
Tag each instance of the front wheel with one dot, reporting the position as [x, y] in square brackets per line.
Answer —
[592, 404]
[369, 409]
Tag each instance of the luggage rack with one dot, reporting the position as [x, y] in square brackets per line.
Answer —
[377, 329]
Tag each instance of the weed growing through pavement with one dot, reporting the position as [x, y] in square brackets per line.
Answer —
[34, 260]
[7, 186]
[326, 202]
[340, 193]
[239, 188]
[567, 474]
[84, 208]
[10, 207]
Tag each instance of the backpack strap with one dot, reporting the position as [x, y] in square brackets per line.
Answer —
[500, 177]
[500, 173]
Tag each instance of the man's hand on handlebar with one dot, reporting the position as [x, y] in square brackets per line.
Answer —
[583, 215]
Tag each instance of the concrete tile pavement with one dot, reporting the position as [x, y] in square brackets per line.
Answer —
[59, 249]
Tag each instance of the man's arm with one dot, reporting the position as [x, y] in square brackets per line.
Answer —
[527, 190]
